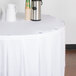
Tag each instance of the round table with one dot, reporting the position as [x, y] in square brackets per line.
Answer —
[30, 48]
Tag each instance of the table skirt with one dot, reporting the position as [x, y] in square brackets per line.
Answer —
[33, 55]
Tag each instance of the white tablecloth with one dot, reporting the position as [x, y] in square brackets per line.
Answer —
[32, 48]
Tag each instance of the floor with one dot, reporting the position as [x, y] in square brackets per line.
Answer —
[70, 63]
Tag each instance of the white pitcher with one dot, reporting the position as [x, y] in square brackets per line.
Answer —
[11, 13]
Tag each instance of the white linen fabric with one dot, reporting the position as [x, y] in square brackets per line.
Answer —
[35, 51]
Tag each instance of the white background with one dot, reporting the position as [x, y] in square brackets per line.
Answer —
[62, 9]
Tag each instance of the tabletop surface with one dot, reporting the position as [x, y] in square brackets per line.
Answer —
[22, 27]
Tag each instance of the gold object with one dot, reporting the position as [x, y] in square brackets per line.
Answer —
[27, 10]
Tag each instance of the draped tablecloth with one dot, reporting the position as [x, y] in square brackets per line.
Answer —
[32, 48]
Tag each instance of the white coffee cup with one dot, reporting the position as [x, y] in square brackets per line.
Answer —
[11, 13]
